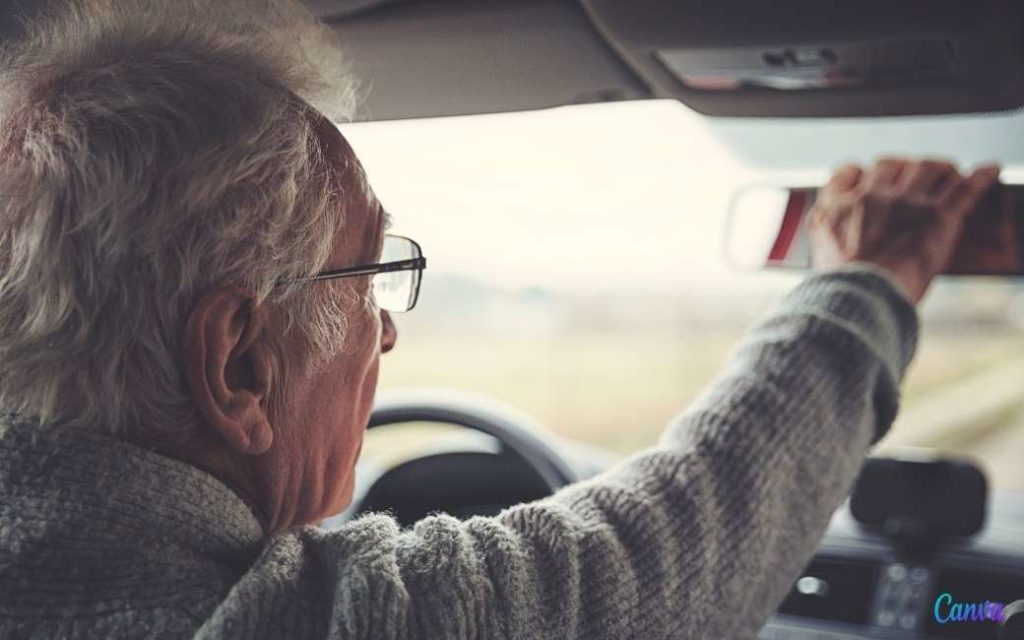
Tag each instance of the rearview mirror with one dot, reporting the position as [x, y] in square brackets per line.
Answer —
[768, 228]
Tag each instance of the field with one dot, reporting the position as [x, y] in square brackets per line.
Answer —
[619, 390]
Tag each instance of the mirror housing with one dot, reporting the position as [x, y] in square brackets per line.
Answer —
[768, 227]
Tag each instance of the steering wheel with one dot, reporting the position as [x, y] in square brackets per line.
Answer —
[528, 442]
[514, 430]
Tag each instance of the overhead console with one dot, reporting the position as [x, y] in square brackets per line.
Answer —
[798, 58]
[805, 58]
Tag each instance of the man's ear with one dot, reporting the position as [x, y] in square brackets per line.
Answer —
[229, 370]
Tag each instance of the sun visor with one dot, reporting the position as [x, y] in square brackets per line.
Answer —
[798, 58]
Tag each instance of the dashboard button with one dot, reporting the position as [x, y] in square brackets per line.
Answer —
[908, 621]
[897, 572]
[885, 618]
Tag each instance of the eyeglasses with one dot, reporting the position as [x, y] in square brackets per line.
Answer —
[396, 278]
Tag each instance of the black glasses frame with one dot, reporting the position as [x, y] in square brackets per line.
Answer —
[412, 264]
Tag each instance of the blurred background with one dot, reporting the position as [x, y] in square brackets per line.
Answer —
[576, 268]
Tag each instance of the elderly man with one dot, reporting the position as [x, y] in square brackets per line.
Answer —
[191, 316]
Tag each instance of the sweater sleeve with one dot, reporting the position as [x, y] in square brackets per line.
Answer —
[698, 537]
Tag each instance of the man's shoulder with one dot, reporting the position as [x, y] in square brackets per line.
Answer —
[313, 583]
[366, 542]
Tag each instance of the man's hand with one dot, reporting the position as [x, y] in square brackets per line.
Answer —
[904, 216]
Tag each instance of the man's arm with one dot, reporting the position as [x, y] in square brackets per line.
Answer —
[702, 536]
[699, 537]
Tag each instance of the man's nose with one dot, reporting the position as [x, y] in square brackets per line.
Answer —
[388, 334]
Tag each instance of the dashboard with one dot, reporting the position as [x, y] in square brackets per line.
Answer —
[862, 585]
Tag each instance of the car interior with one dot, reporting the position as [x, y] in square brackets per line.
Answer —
[574, 170]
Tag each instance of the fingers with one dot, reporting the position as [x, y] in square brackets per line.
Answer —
[935, 178]
[846, 178]
[886, 172]
[960, 197]
[927, 176]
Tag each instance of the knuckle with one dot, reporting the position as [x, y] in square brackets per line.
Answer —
[847, 169]
[937, 164]
[890, 162]
[844, 178]
[874, 200]
[959, 189]
[929, 206]
[822, 216]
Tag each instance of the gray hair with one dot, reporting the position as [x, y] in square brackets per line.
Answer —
[149, 153]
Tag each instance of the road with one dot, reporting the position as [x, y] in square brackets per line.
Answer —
[981, 417]
[1002, 454]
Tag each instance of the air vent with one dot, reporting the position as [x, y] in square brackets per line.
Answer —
[833, 589]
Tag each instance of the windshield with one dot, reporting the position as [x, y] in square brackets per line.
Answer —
[576, 268]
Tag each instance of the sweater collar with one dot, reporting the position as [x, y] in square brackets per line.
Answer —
[97, 485]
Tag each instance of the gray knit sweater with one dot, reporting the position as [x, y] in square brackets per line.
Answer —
[699, 537]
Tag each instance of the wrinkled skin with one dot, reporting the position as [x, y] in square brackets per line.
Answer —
[904, 216]
[284, 437]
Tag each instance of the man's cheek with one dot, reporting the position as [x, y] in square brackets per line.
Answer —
[373, 332]
[362, 333]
